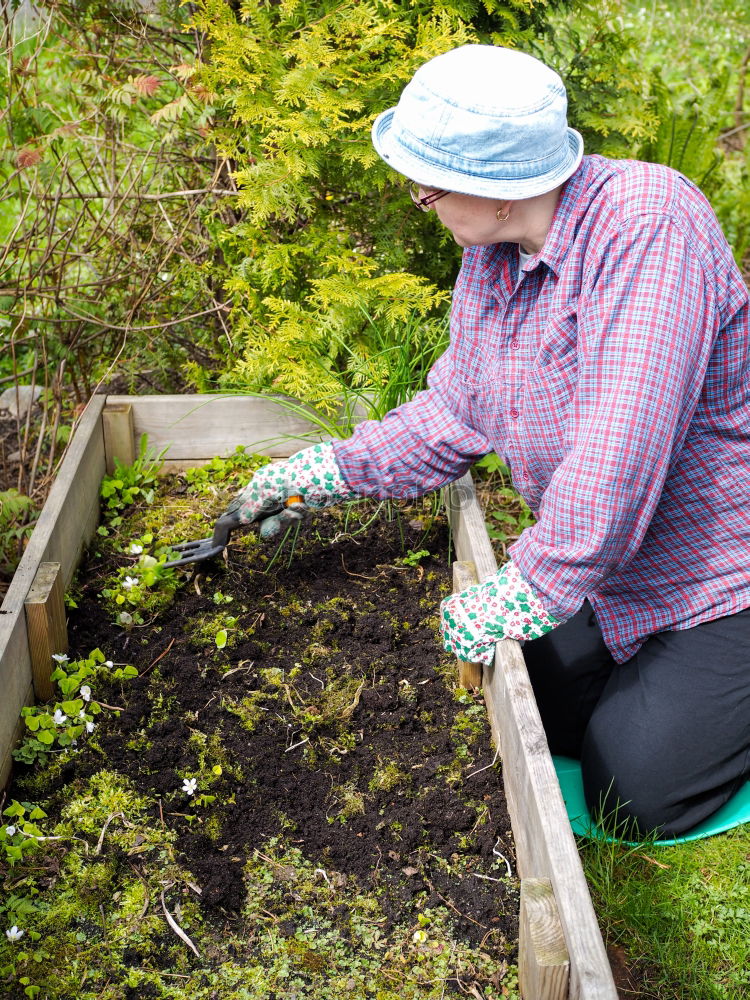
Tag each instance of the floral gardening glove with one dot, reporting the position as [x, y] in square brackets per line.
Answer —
[503, 607]
[312, 474]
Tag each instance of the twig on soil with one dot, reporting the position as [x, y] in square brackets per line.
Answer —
[502, 857]
[295, 745]
[360, 575]
[112, 708]
[486, 767]
[320, 871]
[247, 669]
[454, 907]
[109, 819]
[159, 657]
[176, 927]
[205, 706]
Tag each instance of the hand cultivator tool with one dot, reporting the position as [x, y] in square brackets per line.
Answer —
[207, 548]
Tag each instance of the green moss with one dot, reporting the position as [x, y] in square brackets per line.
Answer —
[388, 776]
[346, 801]
[218, 631]
[249, 709]
[468, 726]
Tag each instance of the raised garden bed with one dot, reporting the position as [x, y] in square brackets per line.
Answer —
[401, 788]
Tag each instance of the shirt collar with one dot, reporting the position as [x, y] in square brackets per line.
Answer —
[571, 207]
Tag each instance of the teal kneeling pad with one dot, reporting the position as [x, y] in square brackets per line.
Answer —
[733, 813]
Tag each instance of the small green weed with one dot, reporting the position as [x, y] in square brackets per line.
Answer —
[219, 630]
[412, 558]
[128, 485]
[63, 723]
[224, 472]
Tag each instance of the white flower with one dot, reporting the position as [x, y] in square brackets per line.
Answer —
[108, 663]
[135, 549]
[14, 934]
[90, 727]
[130, 581]
[189, 785]
[60, 657]
[86, 692]
[10, 830]
[59, 717]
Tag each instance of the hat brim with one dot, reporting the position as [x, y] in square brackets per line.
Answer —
[432, 175]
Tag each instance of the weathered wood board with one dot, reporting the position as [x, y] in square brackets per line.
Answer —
[66, 524]
[545, 846]
[196, 428]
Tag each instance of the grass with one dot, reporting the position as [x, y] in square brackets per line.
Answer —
[681, 913]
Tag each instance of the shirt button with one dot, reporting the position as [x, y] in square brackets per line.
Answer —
[514, 413]
[514, 345]
[525, 476]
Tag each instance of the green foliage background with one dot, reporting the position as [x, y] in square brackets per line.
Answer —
[191, 199]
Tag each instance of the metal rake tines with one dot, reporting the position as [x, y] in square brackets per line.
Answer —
[195, 551]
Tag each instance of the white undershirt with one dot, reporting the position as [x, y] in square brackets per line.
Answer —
[523, 258]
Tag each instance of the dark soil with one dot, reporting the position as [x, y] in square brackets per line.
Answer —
[347, 691]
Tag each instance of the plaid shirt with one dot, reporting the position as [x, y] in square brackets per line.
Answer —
[613, 380]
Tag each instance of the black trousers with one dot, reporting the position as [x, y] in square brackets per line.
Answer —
[663, 739]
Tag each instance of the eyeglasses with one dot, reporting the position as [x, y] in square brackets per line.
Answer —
[423, 204]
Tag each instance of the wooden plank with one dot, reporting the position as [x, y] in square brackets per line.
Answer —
[469, 533]
[469, 674]
[45, 622]
[119, 438]
[545, 846]
[543, 961]
[66, 524]
[195, 427]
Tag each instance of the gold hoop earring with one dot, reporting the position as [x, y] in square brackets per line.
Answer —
[500, 217]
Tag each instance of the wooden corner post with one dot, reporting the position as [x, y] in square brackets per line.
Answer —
[543, 961]
[469, 674]
[45, 622]
[119, 436]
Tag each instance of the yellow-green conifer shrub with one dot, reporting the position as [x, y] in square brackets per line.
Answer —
[328, 248]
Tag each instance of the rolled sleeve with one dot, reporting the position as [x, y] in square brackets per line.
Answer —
[646, 328]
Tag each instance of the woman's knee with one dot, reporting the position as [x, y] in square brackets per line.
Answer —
[627, 795]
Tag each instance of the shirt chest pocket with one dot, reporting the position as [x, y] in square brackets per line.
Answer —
[552, 376]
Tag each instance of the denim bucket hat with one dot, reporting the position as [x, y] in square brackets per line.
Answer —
[481, 120]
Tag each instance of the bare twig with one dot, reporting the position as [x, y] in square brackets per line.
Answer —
[176, 927]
